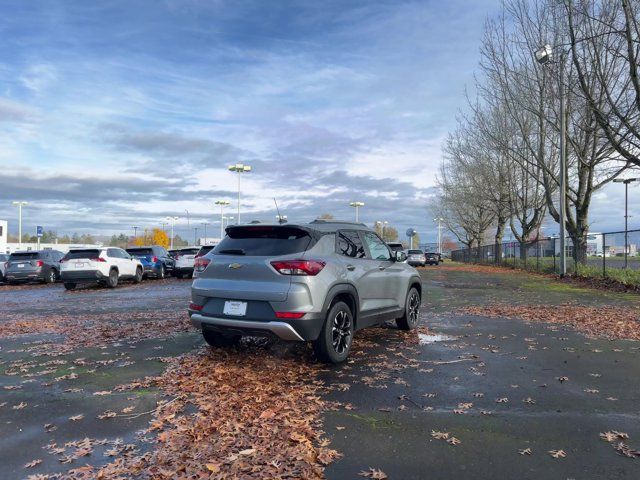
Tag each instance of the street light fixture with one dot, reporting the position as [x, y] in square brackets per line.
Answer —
[626, 182]
[281, 219]
[356, 205]
[240, 168]
[172, 220]
[20, 204]
[222, 204]
[544, 56]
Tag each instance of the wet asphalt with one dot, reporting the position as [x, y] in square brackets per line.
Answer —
[393, 393]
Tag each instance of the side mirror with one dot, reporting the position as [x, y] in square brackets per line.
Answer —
[401, 256]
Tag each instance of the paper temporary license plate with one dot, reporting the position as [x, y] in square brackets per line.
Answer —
[21, 265]
[232, 307]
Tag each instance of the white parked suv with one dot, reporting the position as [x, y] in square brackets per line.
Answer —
[185, 259]
[106, 265]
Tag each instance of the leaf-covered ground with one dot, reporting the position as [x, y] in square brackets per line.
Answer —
[605, 321]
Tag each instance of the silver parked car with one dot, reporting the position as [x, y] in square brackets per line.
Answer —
[317, 282]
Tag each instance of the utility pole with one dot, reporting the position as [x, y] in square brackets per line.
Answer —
[135, 232]
[20, 204]
[195, 236]
[626, 182]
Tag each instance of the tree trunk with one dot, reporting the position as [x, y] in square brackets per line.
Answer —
[497, 249]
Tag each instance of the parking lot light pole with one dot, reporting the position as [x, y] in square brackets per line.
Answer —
[20, 204]
[195, 236]
[240, 168]
[356, 205]
[544, 56]
[172, 221]
[204, 224]
[135, 232]
[439, 220]
[626, 182]
[222, 204]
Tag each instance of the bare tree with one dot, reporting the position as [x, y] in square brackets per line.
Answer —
[604, 37]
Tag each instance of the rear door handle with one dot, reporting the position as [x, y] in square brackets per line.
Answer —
[351, 267]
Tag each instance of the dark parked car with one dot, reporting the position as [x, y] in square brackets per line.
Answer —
[395, 246]
[42, 266]
[155, 260]
[432, 258]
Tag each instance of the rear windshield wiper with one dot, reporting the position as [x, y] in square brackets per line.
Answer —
[232, 251]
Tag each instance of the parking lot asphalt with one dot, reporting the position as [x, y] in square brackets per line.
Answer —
[464, 397]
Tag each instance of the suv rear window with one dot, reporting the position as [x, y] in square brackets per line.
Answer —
[139, 252]
[415, 252]
[185, 251]
[73, 254]
[263, 241]
[24, 256]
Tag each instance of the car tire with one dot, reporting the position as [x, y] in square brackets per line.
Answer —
[52, 276]
[216, 340]
[138, 276]
[112, 279]
[162, 273]
[336, 337]
[411, 316]
[69, 285]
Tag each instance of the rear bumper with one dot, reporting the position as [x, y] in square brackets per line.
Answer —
[17, 276]
[302, 330]
[151, 270]
[415, 263]
[182, 270]
[82, 276]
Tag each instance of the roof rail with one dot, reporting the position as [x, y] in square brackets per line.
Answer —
[340, 222]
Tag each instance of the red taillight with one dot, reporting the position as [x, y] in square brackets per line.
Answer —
[299, 267]
[176, 257]
[290, 314]
[154, 259]
[39, 263]
[98, 259]
[193, 306]
[62, 260]
[200, 264]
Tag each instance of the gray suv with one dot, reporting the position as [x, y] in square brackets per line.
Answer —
[43, 266]
[316, 282]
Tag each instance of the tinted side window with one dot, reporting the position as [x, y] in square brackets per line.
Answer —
[377, 248]
[113, 253]
[350, 245]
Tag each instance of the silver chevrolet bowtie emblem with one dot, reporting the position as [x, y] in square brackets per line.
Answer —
[235, 266]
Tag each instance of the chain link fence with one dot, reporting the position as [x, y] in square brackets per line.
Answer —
[610, 255]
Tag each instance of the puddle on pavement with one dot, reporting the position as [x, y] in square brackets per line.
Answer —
[428, 339]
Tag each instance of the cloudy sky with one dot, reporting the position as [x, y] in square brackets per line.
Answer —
[119, 113]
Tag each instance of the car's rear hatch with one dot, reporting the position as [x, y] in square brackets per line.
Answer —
[185, 258]
[22, 262]
[145, 255]
[86, 259]
[240, 266]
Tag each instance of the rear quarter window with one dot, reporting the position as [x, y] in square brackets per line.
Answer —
[263, 241]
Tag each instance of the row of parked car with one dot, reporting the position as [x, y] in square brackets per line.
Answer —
[417, 257]
[104, 265]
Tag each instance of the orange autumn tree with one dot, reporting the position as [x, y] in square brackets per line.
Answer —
[155, 237]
